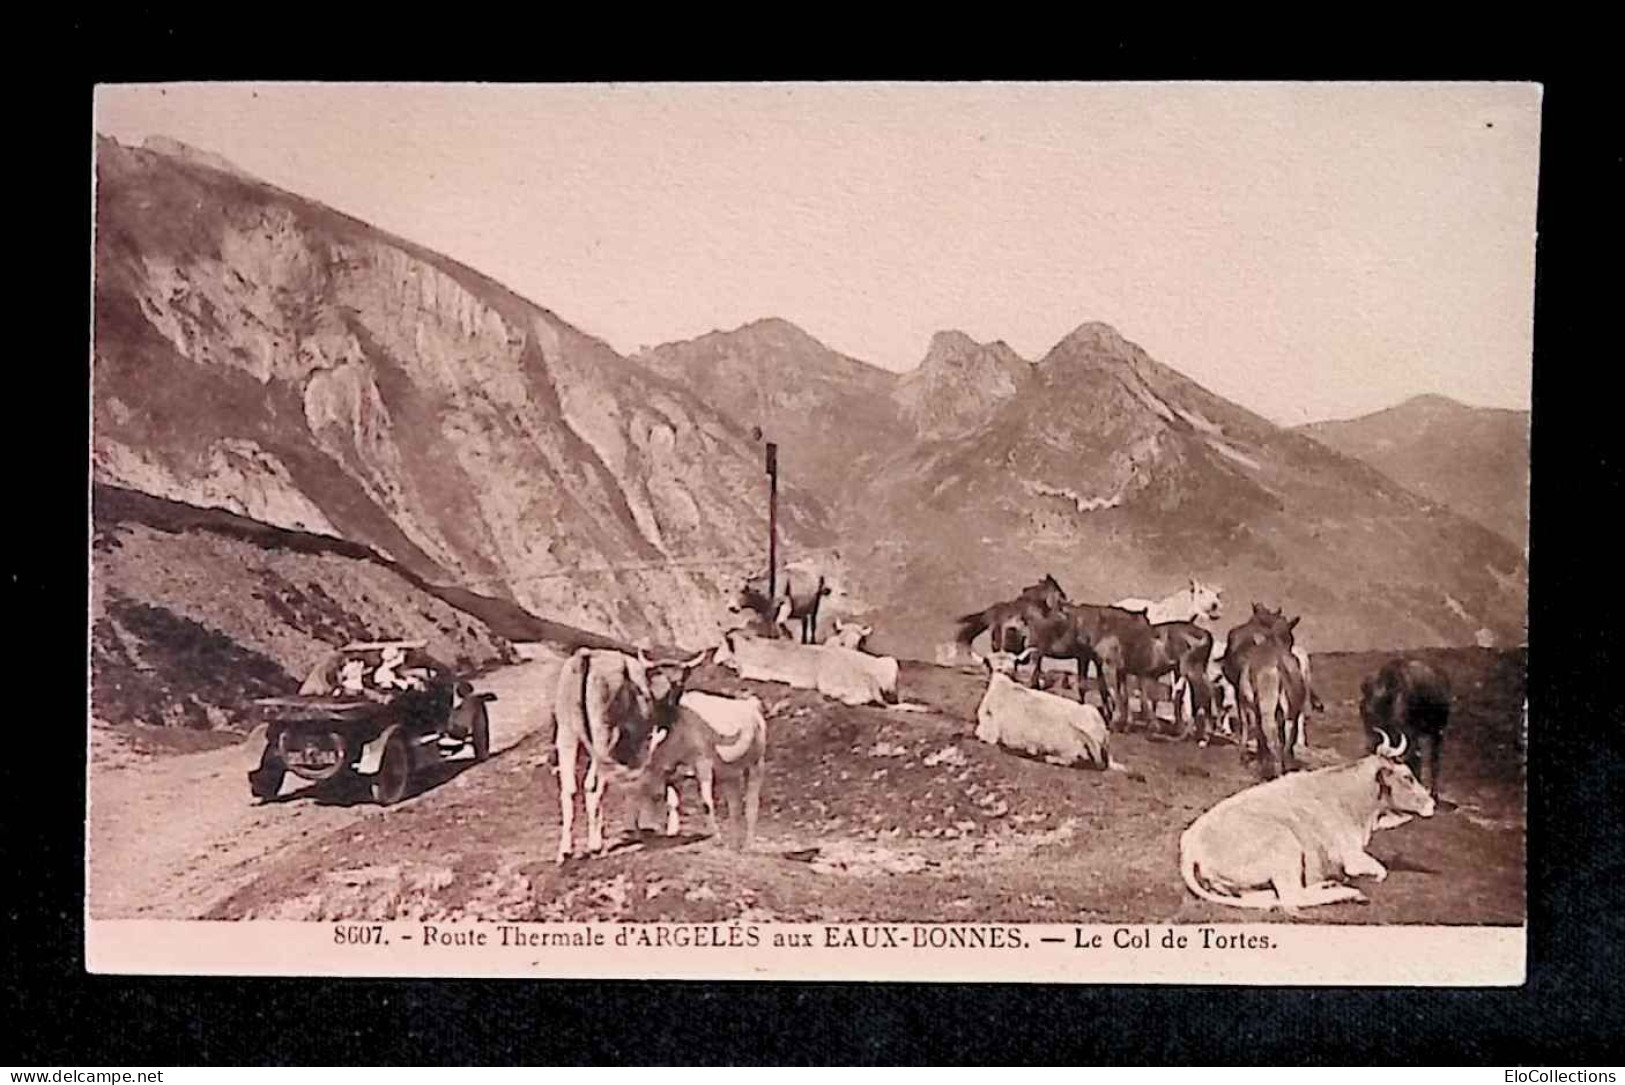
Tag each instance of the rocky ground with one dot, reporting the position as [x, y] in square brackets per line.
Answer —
[868, 814]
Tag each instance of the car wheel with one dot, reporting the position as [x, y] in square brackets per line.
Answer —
[388, 784]
[482, 734]
[266, 781]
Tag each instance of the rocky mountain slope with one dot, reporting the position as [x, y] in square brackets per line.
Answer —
[959, 385]
[1473, 459]
[262, 353]
[194, 611]
[806, 397]
[1122, 477]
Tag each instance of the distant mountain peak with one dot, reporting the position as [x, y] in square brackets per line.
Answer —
[1097, 337]
[1435, 401]
[776, 328]
[959, 384]
[950, 339]
[174, 148]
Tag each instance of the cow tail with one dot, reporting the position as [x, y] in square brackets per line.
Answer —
[970, 625]
[1258, 898]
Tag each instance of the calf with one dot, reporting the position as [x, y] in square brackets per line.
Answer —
[1292, 842]
[611, 704]
[721, 741]
[1058, 729]
[1410, 698]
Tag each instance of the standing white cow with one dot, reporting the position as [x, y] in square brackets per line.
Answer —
[612, 704]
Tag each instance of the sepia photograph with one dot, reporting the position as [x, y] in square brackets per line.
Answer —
[1066, 531]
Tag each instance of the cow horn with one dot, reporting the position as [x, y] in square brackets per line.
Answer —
[1404, 741]
[1385, 748]
[695, 662]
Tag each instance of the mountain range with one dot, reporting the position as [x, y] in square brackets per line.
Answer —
[260, 352]
[257, 351]
[1474, 460]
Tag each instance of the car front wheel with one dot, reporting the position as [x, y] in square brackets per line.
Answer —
[389, 783]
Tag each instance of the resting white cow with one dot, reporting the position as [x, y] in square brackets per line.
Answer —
[853, 677]
[718, 740]
[1291, 842]
[1058, 729]
[612, 704]
[843, 674]
[849, 635]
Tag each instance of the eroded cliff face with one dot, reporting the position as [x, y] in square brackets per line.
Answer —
[263, 353]
[959, 385]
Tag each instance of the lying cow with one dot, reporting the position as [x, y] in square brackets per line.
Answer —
[722, 742]
[1292, 842]
[849, 635]
[843, 674]
[1412, 699]
[612, 704]
[1058, 729]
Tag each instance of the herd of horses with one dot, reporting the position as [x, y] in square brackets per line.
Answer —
[1260, 670]
[1258, 678]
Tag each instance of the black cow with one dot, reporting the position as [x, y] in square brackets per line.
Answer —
[1411, 698]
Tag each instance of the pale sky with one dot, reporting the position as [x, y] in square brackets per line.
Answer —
[1307, 250]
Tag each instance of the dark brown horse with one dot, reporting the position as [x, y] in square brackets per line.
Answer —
[1264, 625]
[1076, 631]
[1266, 628]
[1180, 650]
[1127, 645]
[1270, 700]
[1003, 619]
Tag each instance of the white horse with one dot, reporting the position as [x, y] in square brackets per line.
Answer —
[1188, 604]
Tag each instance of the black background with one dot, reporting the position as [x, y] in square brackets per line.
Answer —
[1568, 1014]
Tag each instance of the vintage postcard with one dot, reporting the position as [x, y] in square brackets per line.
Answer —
[1017, 532]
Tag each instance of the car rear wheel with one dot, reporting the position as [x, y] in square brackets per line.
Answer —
[266, 781]
[389, 783]
[482, 734]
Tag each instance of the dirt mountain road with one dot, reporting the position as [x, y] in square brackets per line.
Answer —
[171, 837]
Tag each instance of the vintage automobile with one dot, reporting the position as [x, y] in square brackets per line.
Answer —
[376, 714]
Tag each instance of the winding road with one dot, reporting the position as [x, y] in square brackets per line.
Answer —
[170, 837]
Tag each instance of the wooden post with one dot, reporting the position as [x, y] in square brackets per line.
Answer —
[772, 520]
